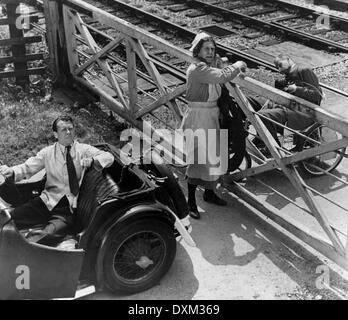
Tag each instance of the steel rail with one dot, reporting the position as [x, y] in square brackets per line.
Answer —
[255, 61]
[272, 27]
[340, 21]
[222, 49]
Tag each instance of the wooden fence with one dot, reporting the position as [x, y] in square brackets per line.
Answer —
[18, 21]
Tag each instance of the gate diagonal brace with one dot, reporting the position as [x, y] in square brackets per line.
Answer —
[151, 68]
[289, 170]
[109, 47]
[103, 64]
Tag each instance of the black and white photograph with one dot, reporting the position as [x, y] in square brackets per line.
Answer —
[174, 156]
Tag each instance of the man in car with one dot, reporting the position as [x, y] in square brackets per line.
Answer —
[299, 81]
[64, 163]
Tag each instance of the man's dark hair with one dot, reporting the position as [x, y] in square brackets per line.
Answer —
[280, 57]
[199, 46]
[65, 118]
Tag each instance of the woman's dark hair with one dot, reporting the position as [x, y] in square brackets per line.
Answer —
[65, 118]
[199, 46]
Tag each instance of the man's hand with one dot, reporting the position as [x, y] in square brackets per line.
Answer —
[241, 65]
[86, 162]
[6, 171]
[291, 88]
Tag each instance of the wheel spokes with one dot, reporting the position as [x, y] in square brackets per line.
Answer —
[139, 255]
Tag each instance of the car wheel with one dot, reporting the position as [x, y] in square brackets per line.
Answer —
[138, 255]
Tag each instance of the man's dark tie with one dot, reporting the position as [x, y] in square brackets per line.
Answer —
[73, 182]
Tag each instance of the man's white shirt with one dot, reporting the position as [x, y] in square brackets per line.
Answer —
[53, 160]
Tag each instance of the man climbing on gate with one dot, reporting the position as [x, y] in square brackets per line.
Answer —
[299, 81]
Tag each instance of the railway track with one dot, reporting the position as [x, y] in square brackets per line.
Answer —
[282, 19]
[266, 16]
[181, 35]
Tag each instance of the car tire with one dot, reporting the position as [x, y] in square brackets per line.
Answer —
[138, 255]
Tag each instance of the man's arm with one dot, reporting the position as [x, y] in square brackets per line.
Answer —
[30, 167]
[210, 75]
[308, 88]
[101, 159]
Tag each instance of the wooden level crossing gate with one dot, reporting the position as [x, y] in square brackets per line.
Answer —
[19, 18]
[115, 79]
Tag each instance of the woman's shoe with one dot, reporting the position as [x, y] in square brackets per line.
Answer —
[213, 198]
[193, 212]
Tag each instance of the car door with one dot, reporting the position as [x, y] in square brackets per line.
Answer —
[34, 271]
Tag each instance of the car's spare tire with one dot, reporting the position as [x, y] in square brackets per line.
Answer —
[170, 185]
[138, 255]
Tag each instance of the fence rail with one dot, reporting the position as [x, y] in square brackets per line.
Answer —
[17, 22]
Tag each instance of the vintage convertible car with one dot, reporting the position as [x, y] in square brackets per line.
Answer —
[127, 221]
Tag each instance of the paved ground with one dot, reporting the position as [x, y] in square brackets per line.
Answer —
[240, 256]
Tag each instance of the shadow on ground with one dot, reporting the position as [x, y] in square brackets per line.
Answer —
[236, 236]
[325, 185]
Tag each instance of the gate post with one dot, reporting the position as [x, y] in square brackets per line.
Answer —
[18, 50]
[59, 63]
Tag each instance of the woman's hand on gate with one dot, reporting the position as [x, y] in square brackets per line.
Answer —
[241, 65]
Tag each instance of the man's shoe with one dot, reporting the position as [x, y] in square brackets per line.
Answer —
[213, 198]
[193, 212]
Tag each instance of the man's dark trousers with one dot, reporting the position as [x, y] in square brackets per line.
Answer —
[35, 212]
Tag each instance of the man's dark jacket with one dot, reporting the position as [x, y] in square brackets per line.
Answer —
[307, 84]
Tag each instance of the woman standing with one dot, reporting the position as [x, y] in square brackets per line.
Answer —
[204, 77]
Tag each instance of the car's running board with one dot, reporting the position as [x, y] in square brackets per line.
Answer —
[183, 231]
[80, 293]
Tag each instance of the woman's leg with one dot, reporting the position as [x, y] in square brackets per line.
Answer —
[191, 193]
[192, 201]
[210, 196]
